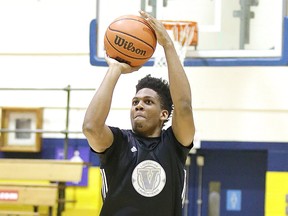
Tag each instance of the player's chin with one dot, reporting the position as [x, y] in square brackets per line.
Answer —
[138, 126]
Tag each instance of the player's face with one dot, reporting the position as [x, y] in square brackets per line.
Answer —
[146, 113]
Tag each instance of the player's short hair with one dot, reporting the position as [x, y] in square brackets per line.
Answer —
[161, 87]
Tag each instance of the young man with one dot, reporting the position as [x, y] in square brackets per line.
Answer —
[143, 168]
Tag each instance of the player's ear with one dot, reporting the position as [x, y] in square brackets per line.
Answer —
[164, 115]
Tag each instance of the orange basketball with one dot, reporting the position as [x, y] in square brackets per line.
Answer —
[130, 39]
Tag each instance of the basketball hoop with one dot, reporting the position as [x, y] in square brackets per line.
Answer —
[184, 34]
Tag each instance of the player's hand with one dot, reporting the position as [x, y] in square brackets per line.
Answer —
[124, 68]
[162, 35]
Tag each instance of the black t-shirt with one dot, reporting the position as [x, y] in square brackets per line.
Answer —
[143, 176]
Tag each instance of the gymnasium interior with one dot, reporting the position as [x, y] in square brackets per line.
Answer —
[52, 62]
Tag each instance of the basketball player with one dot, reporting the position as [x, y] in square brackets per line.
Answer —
[143, 169]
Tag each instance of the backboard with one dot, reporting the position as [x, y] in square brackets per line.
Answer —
[242, 32]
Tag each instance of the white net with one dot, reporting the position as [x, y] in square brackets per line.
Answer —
[182, 35]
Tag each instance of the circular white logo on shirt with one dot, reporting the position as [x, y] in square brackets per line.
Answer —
[148, 178]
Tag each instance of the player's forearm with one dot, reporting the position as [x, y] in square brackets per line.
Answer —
[179, 84]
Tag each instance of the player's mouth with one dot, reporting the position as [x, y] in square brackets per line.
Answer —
[138, 116]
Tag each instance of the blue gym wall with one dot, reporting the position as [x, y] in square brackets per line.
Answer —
[235, 170]
[237, 166]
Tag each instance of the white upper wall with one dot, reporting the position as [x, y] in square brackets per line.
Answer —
[45, 44]
[45, 26]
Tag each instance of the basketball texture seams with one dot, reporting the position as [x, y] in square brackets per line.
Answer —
[127, 22]
[133, 36]
[130, 39]
[124, 52]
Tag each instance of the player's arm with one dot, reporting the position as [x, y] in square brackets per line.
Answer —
[182, 118]
[98, 134]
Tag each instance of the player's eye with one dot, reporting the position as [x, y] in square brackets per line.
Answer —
[148, 102]
[135, 102]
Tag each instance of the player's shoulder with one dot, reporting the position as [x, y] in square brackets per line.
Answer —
[121, 133]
